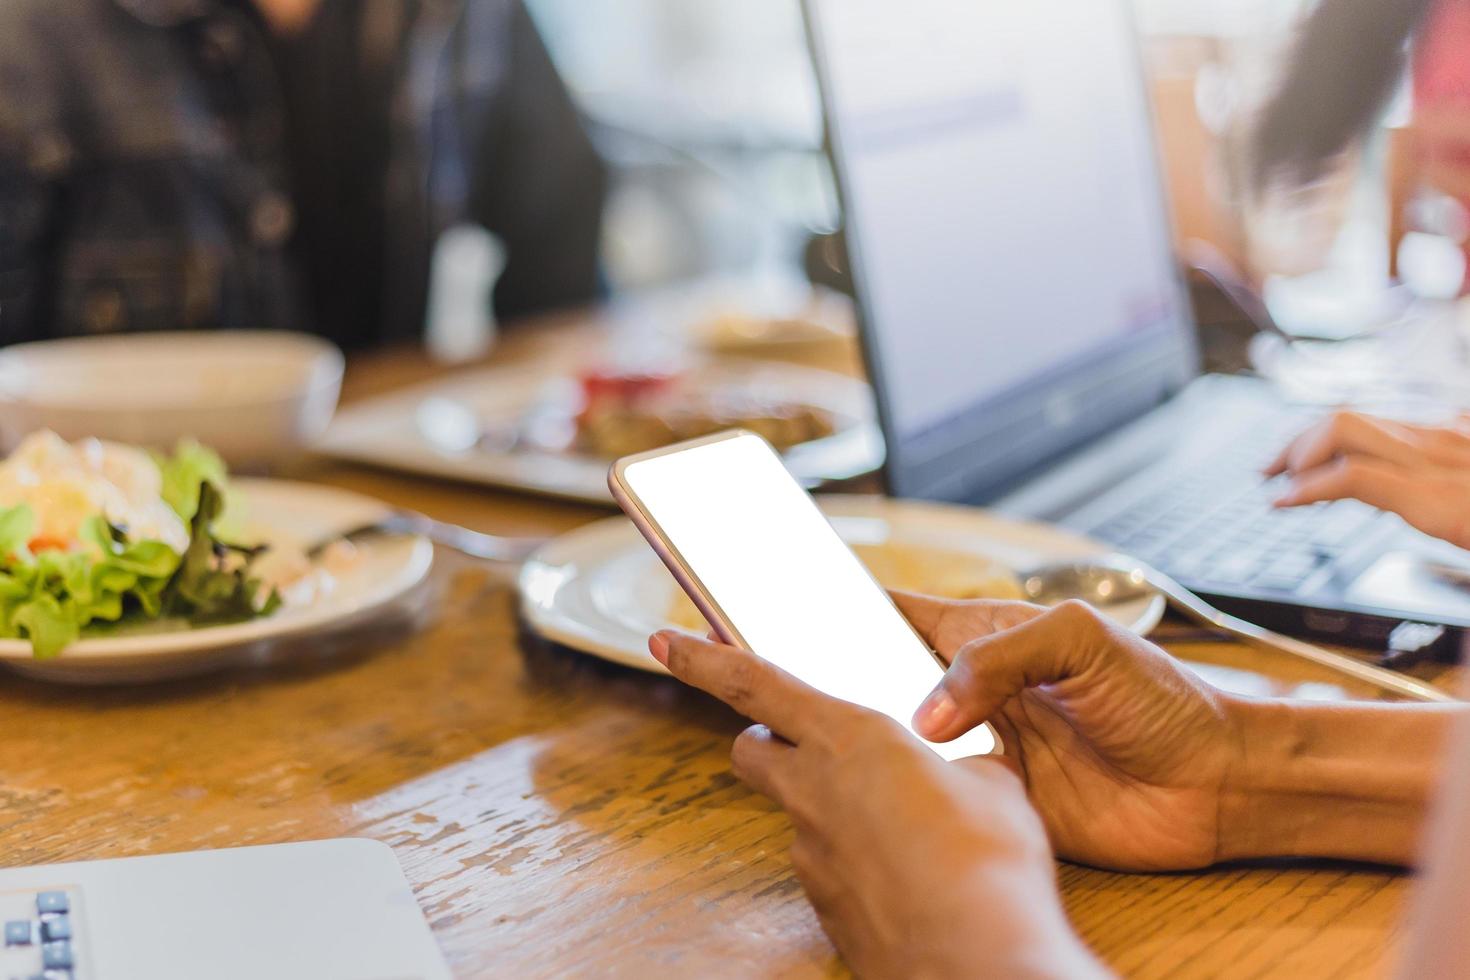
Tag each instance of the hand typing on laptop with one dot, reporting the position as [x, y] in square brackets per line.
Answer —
[1129, 760]
[1419, 472]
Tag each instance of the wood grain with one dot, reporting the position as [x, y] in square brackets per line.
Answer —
[559, 816]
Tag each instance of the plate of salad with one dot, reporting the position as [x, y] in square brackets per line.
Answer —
[122, 566]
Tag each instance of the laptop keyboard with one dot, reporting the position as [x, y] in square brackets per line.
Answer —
[40, 941]
[1214, 527]
[1234, 540]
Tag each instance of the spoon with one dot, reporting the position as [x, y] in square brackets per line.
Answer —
[1116, 578]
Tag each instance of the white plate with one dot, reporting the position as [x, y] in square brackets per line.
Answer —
[386, 432]
[289, 513]
[602, 590]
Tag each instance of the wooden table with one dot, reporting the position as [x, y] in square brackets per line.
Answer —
[559, 816]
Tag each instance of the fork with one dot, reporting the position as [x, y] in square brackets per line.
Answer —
[475, 544]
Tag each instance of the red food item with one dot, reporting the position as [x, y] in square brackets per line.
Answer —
[41, 543]
[622, 387]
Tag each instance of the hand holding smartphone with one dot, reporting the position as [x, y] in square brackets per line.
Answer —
[772, 576]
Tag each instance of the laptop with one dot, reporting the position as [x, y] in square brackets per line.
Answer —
[338, 908]
[1028, 336]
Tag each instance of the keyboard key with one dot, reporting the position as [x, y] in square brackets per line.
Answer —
[1215, 524]
[55, 927]
[1295, 567]
[52, 902]
[1339, 528]
[1183, 568]
[1278, 583]
[1322, 557]
[1295, 531]
[18, 933]
[1233, 571]
[56, 956]
[56, 975]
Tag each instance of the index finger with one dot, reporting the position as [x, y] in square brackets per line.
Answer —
[946, 625]
[1347, 433]
[1371, 481]
[923, 612]
[757, 689]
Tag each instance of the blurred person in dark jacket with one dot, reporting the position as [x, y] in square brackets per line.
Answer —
[196, 164]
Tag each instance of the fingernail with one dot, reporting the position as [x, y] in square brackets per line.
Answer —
[936, 713]
[658, 645]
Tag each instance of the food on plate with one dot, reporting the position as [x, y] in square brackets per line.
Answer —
[623, 413]
[906, 568]
[98, 537]
[735, 330]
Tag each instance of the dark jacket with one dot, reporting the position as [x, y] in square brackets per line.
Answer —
[169, 164]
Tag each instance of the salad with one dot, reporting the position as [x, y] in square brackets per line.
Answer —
[97, 537]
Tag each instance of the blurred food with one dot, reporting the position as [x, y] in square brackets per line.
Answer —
[733, 331]
[65, 486]
[98, 536]
[518, 426]
[253, 396]
[905, 568]
[770, 315]
[298, 579]
[632, 413]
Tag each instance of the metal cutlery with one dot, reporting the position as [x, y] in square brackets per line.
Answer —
[1117, 578]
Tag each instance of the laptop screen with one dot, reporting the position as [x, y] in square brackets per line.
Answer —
[1007, 225]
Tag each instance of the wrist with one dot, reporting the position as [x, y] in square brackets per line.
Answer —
[1258, 815]
[1007, 902]
[1025, 929]
[1328, 780]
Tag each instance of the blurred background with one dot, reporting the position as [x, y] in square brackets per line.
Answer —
[706, 123]
[709, 114]
[709, 117]
[389, 173]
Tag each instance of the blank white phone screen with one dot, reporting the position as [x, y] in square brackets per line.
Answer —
[785, 580]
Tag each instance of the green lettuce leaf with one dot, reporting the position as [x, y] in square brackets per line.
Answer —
[53, 598]
[190, 468]
[17, 524]
[213, 582]
[50, 598]
[47, 623]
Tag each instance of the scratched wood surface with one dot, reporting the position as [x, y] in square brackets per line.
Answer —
[559, 816]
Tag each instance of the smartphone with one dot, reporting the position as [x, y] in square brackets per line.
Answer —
[772, 576]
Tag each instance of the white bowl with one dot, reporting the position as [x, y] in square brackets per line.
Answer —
[253, 396]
